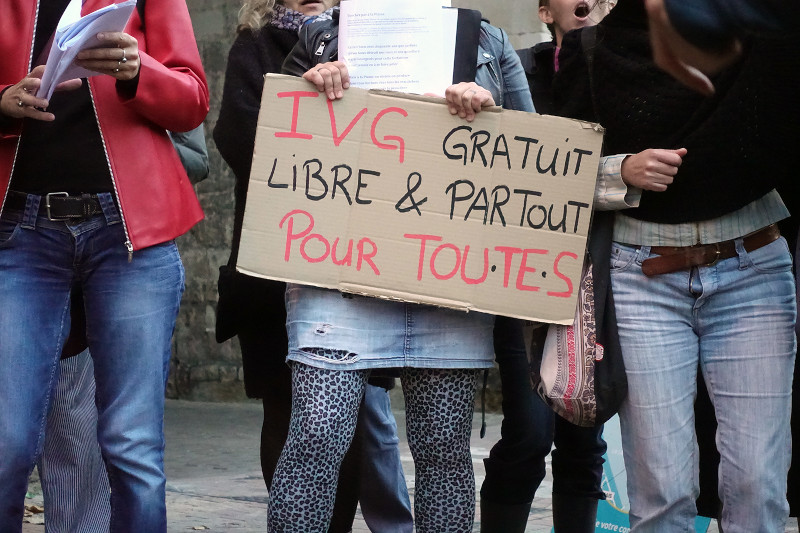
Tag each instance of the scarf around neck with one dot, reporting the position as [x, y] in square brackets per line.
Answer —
[288, 19]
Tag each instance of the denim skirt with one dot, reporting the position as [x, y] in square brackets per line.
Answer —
[336, 331]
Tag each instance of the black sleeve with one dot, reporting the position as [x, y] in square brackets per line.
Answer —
[572, 97]
[299, 59]
[235, 131]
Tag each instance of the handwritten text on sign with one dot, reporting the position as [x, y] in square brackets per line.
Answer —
[389, 195]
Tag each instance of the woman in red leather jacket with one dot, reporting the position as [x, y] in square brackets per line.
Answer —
[93, 196]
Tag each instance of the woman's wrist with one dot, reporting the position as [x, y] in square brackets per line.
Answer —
[5, 118]
[2, 95]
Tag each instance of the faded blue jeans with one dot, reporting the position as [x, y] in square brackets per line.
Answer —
[383, 494]
[131, 308]
[736, 318]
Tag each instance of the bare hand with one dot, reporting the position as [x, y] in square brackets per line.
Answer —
[652, 169]
[466, 99]
[685, 62]
[330, 78]
[20, 101]
[118, 56]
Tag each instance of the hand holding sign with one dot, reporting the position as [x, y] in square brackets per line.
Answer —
[466, 99]
[329, 78]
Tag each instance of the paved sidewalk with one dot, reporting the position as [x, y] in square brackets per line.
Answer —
[214, 477]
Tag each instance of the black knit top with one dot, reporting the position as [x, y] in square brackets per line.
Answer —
[740, 141]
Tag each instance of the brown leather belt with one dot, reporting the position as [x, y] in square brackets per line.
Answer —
[674, 258]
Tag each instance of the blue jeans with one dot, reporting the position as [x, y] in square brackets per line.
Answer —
[131, 308]
[736, 318]
[383, 494]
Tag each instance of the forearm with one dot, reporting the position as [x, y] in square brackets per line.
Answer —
[611, 193]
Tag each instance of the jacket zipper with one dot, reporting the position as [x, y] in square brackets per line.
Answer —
[327, 37]
[128, 243]
[492, 72]
[19, 139]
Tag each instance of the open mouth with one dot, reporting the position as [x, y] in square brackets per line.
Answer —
[582, 10]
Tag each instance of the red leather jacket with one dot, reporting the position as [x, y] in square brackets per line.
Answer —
[157, 200]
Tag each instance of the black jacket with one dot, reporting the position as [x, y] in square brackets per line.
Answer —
[244, 299]
[753, 114]
[540, 70]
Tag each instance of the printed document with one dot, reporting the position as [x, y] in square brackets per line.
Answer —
[72, 36]
[404, 46]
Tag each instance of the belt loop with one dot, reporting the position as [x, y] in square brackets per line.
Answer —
[109, 208]
[741, 252]
[643, 253]
[32, 202]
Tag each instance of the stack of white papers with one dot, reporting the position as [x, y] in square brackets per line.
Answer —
[71, 38]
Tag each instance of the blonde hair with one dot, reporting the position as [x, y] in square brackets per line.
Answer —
[253, 14]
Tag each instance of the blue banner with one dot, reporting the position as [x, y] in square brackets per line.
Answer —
[612, 513]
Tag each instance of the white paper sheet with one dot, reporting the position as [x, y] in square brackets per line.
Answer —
[400, 46]
[71, 38]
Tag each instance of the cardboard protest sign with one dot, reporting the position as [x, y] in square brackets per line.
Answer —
[388, 195]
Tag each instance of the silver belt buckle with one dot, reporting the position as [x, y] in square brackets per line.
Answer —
[47, 203]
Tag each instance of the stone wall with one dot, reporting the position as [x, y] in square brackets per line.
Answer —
[201, 368]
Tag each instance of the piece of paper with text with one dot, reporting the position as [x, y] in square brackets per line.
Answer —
[388, 195]
[399, 46]
[81, 34]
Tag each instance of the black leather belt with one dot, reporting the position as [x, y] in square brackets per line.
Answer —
[58, 205]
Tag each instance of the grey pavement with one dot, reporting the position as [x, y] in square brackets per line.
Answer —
[214, 478]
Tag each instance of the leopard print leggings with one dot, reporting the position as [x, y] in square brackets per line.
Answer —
[439, 408]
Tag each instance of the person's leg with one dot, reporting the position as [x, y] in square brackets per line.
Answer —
[660, 350]
[272, 380]
[131, 307]
[34, 320]
[439, 408]
[74, 479]
[345, 504]
[516, 463]
[794, 471]
[705, 426]
[383, 494]
[325, 407]
[745, 319]
[577, 463]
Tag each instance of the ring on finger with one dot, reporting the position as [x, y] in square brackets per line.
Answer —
[19, 103]
[116, 70]
[124, 59]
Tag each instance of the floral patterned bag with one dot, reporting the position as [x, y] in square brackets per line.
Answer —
[565, 377]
